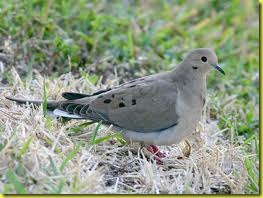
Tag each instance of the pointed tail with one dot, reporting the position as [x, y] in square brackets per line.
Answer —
[51, 104]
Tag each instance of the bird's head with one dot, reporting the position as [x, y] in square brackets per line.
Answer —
[202, 60]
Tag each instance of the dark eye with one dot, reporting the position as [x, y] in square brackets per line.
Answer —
[204, 59]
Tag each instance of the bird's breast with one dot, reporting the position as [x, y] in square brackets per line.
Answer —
[190, 105]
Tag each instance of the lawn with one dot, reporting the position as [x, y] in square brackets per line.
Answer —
[48, 47]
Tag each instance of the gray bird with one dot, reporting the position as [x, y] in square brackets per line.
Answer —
[160, 109]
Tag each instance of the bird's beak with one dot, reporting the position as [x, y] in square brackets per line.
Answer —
[218, 68]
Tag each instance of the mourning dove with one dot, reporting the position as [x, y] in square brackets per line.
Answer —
[160, 109]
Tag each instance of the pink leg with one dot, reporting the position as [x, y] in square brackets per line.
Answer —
[157, 153]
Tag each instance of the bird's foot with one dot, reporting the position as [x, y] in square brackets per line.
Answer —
[186, 149]
[157, 154]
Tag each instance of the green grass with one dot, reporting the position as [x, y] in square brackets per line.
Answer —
[136, 38]
[93, 139]
[69, 157]
[25, 147]
[13, 180]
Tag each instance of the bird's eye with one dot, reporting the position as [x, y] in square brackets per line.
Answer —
[204, 59]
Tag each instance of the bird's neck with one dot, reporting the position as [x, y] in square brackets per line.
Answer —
[186, 77]
[192, 89]
[191, 86]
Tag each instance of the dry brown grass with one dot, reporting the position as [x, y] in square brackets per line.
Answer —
[214, 166]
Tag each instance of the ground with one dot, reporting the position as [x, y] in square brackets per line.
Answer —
[49, 47]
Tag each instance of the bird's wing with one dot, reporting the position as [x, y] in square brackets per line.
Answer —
[144, 105]
[73, 95]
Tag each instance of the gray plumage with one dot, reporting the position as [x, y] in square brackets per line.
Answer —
[158, 109]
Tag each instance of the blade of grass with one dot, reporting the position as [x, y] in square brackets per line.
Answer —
[25, 147]
[56, 188]
[93, 79]
[7, 189]
[251, 173]
[59, 188]
[80, 127]
[102, 139]
[107, 137]
[248, 140]
[69, 157]
[53, 166]
[12, 178]
[50, 143]
[119, 137]
[95, 132]
[48, 122]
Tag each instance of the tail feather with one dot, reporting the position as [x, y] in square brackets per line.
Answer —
[65, 114]
[51, 104]
[73, 96]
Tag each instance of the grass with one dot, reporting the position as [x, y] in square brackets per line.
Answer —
[87, 45]
[12, 178]
[69, 157]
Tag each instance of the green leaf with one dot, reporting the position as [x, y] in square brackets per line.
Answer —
[48, 122]
[119, 137]
[251, 173]
[248, 140]
[25, 147]
[85, 37]
[80, 127]
[107, 137]
[50, 143]
[95, 132]
[12, 179]
[69, 157]
[7, 189]
[102, 139]
[93, 78]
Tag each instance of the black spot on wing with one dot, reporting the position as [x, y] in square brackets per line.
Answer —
[132, 86]
[107, 101]
[121, 104]
[133, 101]
[132, 81]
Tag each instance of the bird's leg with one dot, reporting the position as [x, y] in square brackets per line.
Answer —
[156, 152]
